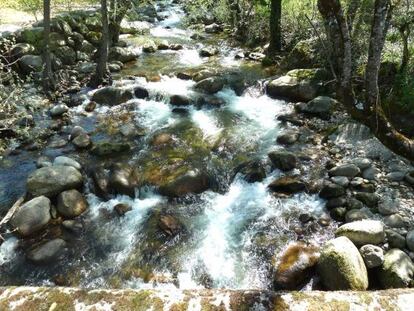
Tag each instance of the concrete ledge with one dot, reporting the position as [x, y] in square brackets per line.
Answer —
[62, 299]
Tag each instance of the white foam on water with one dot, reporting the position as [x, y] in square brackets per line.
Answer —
[152, 114]
[191, 57]
[206, 122]
[8, 250]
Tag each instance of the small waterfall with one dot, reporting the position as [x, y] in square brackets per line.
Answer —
[352, 132]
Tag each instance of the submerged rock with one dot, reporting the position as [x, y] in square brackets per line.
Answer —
[47, 252]
[363, 232]
[121, 209]
[50, 181]
[295, 265]
[192, 182]
[180, 100]
[169, 225]
[208, 51]
[111, 96]
[341, 266]
[123, 179]
[31, 216]
[397, 270]
[71, 203]
[141, 92]
[105, 148]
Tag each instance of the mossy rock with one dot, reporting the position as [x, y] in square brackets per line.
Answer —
[33, 36]
[106, 148]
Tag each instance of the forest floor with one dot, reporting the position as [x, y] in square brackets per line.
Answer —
[11, 19]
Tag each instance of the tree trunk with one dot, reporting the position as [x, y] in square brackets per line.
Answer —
[101, 70]
[49, 82]
[405, 35]
[275, 26]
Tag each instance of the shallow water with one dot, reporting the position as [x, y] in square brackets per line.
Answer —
[230, 236]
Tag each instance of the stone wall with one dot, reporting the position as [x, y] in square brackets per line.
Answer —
[62, 299]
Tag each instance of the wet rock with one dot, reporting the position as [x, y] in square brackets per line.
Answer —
[353, 203]
[369, 199]
[180, 100]
[252, 171]
[397, 270]
[287, 185]
[192, 182]
[123, 55]
[47, 252]
[66, 161]
[30, 63]
[283, 160]
[373, 255]
[91, 106]
[161, 139]
[72, 225]
[123, 179]
[288, 138]
[410, 240]
[208, 51]
[101, 181]
[395, 240]
[258, 57]
[341, 266]
[163, 45]
[106, 148]
[213, 28]
[150, 47]
[363, 232]
[331, 190]
[210, 85]
[82, 141]
[141, 92]
[394, 221]
[184, 76]
[291, 118]
[121, 209]
[114, 67]
[169, 225]
[75, 132]
[31, 216]
[176, 47]
[338, 213]
[371, 173]
[57, 142]
[111, 96]
[43, 161]
[50, 181]
[347, 170]
[295, 265]
[71, 203]
[321, 106]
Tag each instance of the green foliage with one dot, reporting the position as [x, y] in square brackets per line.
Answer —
[33, 7]
[404, 86]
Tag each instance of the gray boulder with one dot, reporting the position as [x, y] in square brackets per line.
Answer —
[123, 55]
[347, 170]
[50, 181]
[341, 266]
[47, 252]
[321, 106]
[58, 110]
[71, 203]
[30, 63]
[111, 96]
[363, 232]
[65, 161]
[397, 270]
[373, 255]
[31, 216]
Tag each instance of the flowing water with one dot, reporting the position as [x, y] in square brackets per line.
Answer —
[230, 235]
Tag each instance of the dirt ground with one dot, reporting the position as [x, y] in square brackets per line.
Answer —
[11, 19]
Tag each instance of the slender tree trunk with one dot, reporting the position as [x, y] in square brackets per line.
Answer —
[373, 115]
[405, 35]
[48, 79]
[275, 26]
[101, 70]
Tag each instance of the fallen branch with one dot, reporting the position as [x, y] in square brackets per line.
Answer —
[11, 212]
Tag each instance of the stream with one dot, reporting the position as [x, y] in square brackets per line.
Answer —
[228, 235]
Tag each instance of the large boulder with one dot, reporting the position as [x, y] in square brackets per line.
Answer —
[47, 252]
[50, 181]
[397, 270]
[31, 216]
[299, 84]
[111, 96]
[321, 106]
[123, 55]
[295, 265]
[71, 203]
[283, 160]
[123, 179]
[210, 85]
[30, 63]
[363, 232]
[341, 266]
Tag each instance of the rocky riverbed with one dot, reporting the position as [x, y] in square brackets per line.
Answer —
[196, 169]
